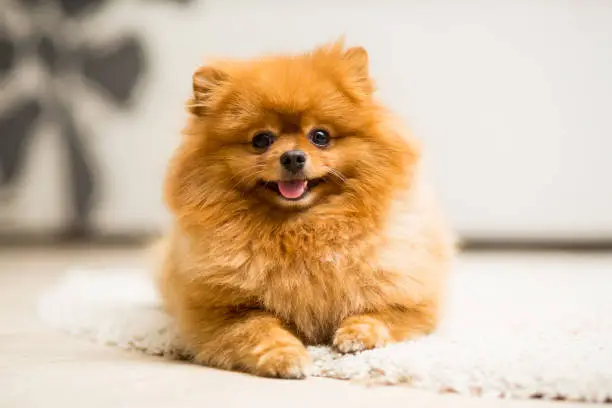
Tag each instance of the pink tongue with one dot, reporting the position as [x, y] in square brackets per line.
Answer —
[292, 189]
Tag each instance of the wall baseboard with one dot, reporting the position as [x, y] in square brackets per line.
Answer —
[136, 239]
[586, 245]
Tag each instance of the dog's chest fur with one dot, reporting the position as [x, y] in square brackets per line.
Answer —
[311, 278]
[314, 295]
[313, 288]
[310, 285]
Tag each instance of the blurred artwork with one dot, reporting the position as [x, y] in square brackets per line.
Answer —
[50, 61]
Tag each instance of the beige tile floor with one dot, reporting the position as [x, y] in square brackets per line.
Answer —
[42, 368]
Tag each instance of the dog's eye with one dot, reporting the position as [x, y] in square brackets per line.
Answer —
[262, 140]
[319, 137]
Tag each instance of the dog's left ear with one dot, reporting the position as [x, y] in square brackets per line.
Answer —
[358, 67]
[208, 81]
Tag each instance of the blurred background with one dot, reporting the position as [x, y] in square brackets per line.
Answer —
[512, 98]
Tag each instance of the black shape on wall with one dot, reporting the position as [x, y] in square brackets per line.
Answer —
[30, 3]
[48, 53]
[116, 70]
[79, 168]
[75, 8]
[7, 54]
[16, 131]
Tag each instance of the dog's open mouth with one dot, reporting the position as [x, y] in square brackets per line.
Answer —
[292, 190]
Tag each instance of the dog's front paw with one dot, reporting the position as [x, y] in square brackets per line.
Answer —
[359, 333]
[284, 361]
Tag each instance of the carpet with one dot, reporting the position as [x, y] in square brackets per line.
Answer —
[512, 330]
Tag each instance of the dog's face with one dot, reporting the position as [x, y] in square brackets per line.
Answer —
[289, 165]
[289, 132]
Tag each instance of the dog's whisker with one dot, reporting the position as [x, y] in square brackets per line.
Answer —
[256, 171]
[336, 173]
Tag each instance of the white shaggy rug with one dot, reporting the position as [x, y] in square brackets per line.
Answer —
[521, 329]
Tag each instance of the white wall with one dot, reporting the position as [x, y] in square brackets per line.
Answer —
[513, 99]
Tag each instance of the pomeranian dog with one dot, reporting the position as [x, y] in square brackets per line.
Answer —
[300, 217]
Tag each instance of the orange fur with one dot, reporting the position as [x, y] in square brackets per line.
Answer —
[358, 263]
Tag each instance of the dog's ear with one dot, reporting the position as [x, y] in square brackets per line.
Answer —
[207, 83]
[357, 57]
[353, 67]
[358, 70]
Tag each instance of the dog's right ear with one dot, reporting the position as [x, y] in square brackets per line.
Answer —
[207, 81]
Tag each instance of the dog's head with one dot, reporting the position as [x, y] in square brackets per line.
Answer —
[288, 133]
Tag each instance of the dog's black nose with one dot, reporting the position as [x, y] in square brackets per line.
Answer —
[293, 160]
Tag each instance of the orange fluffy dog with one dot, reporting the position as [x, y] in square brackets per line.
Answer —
[299, 217]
